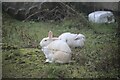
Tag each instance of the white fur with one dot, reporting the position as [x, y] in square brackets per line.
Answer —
[73, 40]
[57, 51]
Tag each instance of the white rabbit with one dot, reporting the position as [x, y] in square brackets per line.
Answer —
[73, 40]
[57, 51]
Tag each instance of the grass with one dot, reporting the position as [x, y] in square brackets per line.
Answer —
[22, 57]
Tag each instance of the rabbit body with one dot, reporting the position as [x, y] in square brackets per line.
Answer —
[73, 40]
[57, 51]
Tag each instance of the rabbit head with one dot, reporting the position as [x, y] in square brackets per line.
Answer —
[45, 41]
[79, 40]
[80, 37]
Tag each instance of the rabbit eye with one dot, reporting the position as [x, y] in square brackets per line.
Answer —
[66, 40]
[45, 40]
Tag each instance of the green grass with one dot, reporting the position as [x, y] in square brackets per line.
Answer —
[23, 58]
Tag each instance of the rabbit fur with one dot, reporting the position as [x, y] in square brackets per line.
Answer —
[73, 40]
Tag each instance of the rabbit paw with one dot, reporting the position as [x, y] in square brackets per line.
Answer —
[48, 61]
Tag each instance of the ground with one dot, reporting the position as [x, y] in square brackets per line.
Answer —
[22, 56]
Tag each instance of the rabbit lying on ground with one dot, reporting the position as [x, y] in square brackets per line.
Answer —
[73, 40]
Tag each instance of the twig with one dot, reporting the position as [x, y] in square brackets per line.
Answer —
[51, 11]
[35, 12]
[69, 7]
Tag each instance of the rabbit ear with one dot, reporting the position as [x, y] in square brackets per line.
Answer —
[50, 34]
[77, 37]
